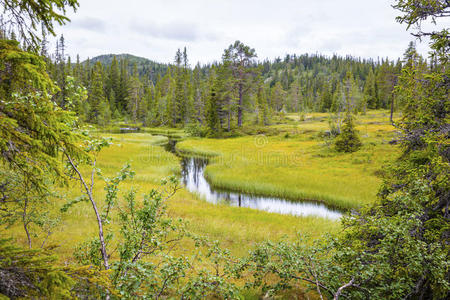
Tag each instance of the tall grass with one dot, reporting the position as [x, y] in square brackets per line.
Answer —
[299, 164]
[236, 228]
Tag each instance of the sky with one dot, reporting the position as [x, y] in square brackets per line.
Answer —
[155, 29]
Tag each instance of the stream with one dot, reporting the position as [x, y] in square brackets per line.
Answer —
[192, 171]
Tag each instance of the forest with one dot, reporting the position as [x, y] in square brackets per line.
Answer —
[138, 91]
[307, 176]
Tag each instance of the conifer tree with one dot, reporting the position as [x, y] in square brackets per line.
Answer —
[198, 96]
[348, 139]
[122, 91]
[326, 98]
[113, 86]
[370, 91]
[96, 96]
[134, 98]
[278, 97]
[262, 109]
[240, 58]
[294, 97]
[212, 106]
[179, 95]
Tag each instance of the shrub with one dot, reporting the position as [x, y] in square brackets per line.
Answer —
[348, 140]
[196, 130]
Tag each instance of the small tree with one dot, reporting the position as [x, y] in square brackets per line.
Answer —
[348, 140]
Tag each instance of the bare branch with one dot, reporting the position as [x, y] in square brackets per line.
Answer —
[342, 288]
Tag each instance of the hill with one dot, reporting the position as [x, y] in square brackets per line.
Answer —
[146, 67]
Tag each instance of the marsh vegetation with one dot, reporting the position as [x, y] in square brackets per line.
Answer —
[309, 177]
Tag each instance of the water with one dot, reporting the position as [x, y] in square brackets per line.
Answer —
[195, 181]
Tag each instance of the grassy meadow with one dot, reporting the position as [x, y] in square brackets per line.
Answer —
[295, 163]
[236, 228]
[299, 161]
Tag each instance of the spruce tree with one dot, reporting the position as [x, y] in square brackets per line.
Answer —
[96, 96]
[179, 96]
[134, 96]
[240, 59]
[370, 91]
[348, 140]
[113, 86]
[212, 106]
[262, 109]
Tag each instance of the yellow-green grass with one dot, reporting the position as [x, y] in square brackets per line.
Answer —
[299, 164]
[236, 228]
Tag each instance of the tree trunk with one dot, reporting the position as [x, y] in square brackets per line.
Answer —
[229, 120]
[88, 191]
[239, 111]
[25, 222]
[392, 110]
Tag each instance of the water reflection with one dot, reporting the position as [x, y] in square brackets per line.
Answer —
[195, 181]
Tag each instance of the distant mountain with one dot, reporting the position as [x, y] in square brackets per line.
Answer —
[146, 67]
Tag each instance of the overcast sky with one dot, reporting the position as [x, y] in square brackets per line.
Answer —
[156, 28]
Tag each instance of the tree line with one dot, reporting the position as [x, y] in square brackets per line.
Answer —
[221, 95]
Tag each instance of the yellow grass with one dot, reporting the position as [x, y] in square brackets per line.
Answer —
[236, 228]
[301, 165]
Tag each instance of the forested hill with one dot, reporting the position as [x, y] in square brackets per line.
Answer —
[221, 95]
[146, 67]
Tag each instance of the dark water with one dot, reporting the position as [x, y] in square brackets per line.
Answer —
[195, 181]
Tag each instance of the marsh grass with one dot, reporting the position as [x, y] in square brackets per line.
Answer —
[236, 228]
[300, 164]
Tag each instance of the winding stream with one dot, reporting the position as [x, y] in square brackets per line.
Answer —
[195, 182]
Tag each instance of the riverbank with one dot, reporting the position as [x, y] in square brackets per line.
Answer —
[300, 163]
[195, 182]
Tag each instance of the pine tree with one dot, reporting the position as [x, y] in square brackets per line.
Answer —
[96, 96]
[179, 96]
[278, 96]
[240, 58]
[226, 95]
[326, 98]
[370, 91]
[122, 91]
[262, 109]
[113, 86]
[134, 95]
[294, 97]
[212, 106]
[348, 140]
[198, 96]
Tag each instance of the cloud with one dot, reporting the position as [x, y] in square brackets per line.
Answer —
[89, 24]
[177, 31]
[155, 29]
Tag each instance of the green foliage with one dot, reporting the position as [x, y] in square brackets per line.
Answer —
[397, 248]
[212, 107]
[195, 130]
[148, 233]
[239, 58]
[96, 97]
[215, 283]
[34, 131]
[146, 239]
[30, 19]
[416, 11]
[36, 274]
[145, 67]
[370, 92]
[348, 140]
[176, 96]
[32, 126]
